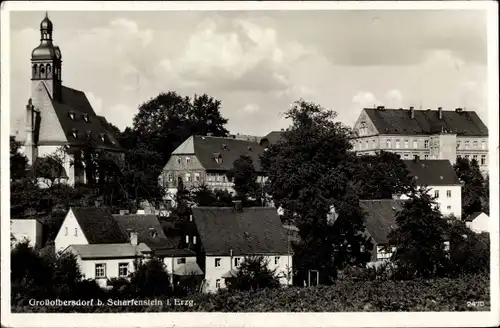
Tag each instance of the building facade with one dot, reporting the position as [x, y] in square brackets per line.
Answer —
[425, 134]
[30, 230]
[59, 118]
[206, 160]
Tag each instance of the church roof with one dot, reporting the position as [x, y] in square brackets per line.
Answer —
[77, 118]
[399, 122]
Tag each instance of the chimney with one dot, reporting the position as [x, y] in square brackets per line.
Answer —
[133, 238]
[238, 205]
[458, 110]
[380, 107]
[440, 113]
[412, 112]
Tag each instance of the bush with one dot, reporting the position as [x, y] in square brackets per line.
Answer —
[254, 273]
[151, 279]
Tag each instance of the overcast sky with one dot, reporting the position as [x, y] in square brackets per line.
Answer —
[258, 62]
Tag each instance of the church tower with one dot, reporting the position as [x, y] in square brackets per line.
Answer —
[46, 63]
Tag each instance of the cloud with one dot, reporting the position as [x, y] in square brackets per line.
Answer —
[365, 99]
[251, 108]
[394, 98]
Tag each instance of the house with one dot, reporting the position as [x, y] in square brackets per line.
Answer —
[60, 120]
[380, 219]
[427, 134]
[224, 236]
[179, 262]
[26, 229]
[442, 181]
[87, 226]
[478, 222]
[103, 262]
[206, 160]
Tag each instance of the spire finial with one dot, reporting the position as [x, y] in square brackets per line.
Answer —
[46, 14]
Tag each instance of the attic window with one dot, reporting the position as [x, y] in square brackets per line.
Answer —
[89, 134]
[441, 177]
[249, 148]
[86, 118]
[74, 132]
[71, 115]
[416, 177]
[224, 146]
[102, 136]
[153, 233]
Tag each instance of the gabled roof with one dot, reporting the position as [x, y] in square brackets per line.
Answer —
[99, 226]
[273, 137]
[207, 148]
[473, 216]
[380, 217]
[399, 121]
[253, 231]
[76, 114]
[144, 224]
[110, 251]
[432, 172]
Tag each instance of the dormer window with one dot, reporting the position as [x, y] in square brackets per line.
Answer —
[71, 115]
[75, 133]
[89, 134]
[249, 148]
[102, 136]
[86, 118]
[218, 158]
[224, 146]
[153, 233]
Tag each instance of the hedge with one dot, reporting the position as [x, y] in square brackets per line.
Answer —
[442, 294]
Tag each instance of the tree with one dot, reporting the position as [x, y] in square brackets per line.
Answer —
[473, 185]
[182, 200]
[419, 237]
[310, 171]
[18, 162]
[254, 273]
[244, 177]
[380, 176]
[151, 279]
[167, 120]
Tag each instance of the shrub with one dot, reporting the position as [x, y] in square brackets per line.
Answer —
[253, 273]
[151, 279]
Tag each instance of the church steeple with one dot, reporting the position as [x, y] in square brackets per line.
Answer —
[46, 60]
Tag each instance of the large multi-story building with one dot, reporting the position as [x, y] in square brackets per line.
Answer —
[59, 116]
[426, 134]
[206, 160]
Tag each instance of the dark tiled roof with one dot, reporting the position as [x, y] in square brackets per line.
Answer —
[432, 172]
[206, 148]
[380, 217]
[253, 231]
[142, 224]
[395, 121]
[273, 137]
[99, 226]
[74, 102]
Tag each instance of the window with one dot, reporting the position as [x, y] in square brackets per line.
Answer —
[448, 193]
[194, 240]
[170, 177]
[123, 269]
[181, 260]
[374, 142]
[76, 232]
[467, 145]
[217, 177]
[100, 270]
[426, 156]
[188, 160]
[483, 159]
[217, 283]
[406, 156]
[187, 239]
[217, 262]
[197, 177]
[75, 133]
[474, 157]
[65, 231]
[367, 145]
[458, 144]
[276, 260]
[72, 115]
[415, 157]
[466, 157]
[415, 143]
[426, 143]
[474, 144]
[388, 143]
[483, 145]
[236, 261]
[188, 177]
[436, 193]
[438, 206]
[397, 143]
[459, 156]
[407, 144]
[178, 160]
[224, 178]
[448, 207]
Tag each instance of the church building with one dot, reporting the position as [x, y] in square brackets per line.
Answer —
[59, 117]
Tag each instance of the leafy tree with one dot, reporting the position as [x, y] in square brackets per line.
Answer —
[486, 199]
[254, 273]
[165, 121]
[67, 275]
[182, 198]
[310, 171]
[18, 162]
[380, 176]
[151, 279]
[473, 185]
[469, 252]
[244, 177]
[205, 196]
[419, 237]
